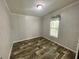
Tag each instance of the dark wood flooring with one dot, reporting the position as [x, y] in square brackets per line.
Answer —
[40, 48]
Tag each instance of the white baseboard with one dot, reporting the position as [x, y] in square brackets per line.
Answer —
[61, 45]
[48, 39]
[77, 50]
[25, 39]
[10, 51]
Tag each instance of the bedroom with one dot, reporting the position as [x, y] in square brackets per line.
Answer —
[22, 20]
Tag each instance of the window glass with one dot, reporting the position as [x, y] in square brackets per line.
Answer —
[54, 27]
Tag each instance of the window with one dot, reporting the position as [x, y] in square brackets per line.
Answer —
[54, 26]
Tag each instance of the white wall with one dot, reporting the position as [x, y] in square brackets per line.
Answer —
[4, 31]
[25, 27]
[69, 26]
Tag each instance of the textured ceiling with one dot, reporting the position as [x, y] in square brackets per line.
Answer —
[28, 7]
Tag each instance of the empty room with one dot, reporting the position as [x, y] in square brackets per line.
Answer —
[39, 29]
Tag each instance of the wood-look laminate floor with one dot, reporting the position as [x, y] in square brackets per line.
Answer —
[40, 48]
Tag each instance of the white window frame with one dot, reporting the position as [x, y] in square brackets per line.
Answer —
[53, 32]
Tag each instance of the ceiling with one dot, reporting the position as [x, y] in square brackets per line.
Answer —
[28, 7]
